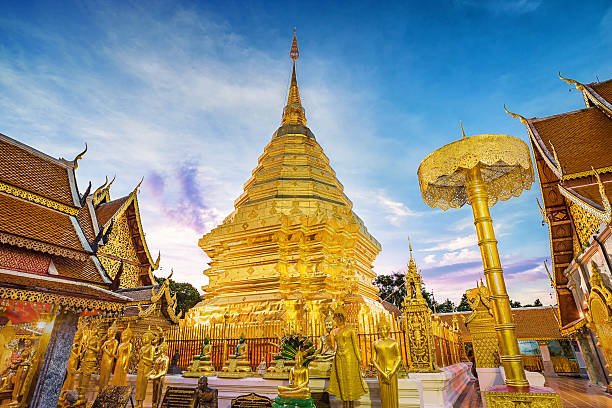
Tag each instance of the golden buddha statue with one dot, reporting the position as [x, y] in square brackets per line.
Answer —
[238, 364]
[298, 381]
[159, 370]
[109, 350]
[24, 362]
[73, 361]
[124, 352]
[321, 365]
[345, 381]
[89, 363]
[387, 359]
[145, 363]
[201, 365]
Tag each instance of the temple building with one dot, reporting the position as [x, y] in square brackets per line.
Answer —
[292, 243]
[63, 254]
[573, 155]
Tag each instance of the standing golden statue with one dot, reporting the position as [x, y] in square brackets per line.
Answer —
[109, 350]
[89, 363]
[158, 373]
[387, 359]
[73, 361]
[145, 363]
[346, 382]
[23, 368]
[124, 352]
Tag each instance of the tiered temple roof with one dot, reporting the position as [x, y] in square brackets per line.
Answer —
[573, 155]
[53, 244]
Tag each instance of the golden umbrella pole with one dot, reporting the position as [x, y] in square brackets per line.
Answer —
[510, 354]
[481, 170]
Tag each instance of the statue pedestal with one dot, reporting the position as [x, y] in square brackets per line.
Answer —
[200, 368]
[500, 396]
[236, 368]
[293, 403]
[441, 389]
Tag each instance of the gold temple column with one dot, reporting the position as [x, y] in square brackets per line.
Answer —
[510, 354]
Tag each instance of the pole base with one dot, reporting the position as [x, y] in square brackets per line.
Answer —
[505, 396]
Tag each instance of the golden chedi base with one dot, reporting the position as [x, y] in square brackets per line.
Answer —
[505, 396]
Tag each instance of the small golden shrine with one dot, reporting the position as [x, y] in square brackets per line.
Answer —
[418, 323]
[481, 325]
[293, 242]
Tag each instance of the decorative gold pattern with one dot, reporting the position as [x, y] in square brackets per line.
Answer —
[522, 400]
[120, 246]
[41, 247]
[507, 173]
[586, 224]
[61, 300]
[419, 333]
[481, 325]
[35, 198]
[600, 314]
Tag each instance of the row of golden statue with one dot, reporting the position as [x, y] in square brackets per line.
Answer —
[338, 358]
[112, 357]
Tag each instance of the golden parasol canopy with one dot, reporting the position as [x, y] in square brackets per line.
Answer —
[504, 161]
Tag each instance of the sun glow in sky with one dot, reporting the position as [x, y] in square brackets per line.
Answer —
[187, 95]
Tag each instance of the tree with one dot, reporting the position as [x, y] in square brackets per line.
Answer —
[514, 304]
[186, 295]
[464, 306]
[537, 303]
[445, 307]
[392, 288]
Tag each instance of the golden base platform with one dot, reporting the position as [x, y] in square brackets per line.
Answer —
[505, 396]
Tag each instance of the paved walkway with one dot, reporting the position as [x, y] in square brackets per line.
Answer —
[574, 392]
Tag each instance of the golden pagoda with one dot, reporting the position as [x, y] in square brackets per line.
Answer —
[293, 244]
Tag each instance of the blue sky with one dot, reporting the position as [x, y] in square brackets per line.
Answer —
[187, 95]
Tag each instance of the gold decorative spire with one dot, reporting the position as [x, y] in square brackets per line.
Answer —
[412, 268]
[293, 114]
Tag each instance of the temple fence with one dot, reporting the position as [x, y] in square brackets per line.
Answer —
[263, 344]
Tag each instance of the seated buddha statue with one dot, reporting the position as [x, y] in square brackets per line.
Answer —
[297, 389]
[201, 365]
[320, 367]
[238, 364]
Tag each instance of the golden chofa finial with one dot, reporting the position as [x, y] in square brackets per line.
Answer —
[604, 198]
[577, 84]
[516, 115]
[462, 131]
[75, 162]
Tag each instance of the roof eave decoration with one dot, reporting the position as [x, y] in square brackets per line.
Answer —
[37, 199]
[549, 158]
[102, 194]
[589, 94]
[75, 162]
[604, 214]
[34, 245]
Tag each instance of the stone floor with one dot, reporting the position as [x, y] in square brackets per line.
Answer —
[574, 392]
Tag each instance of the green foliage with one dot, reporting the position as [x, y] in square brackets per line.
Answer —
[393, 289]
[464, 306]
[186, 295]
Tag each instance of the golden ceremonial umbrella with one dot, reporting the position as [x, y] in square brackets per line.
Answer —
[482, 170]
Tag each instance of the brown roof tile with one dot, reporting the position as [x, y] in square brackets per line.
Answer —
[604, 89]
[581, 139]
[22, 167]
[592, 192]
[140, 294]
[22, 218]
[78, 270]
[84, 218]
[105, 211]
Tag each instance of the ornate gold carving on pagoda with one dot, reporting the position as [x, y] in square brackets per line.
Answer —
[35, 198]
[292, 242]
[600, 313]
[120, 247]
[417, 317]
[481, 325]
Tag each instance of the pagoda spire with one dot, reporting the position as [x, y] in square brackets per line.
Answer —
[293, 114]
